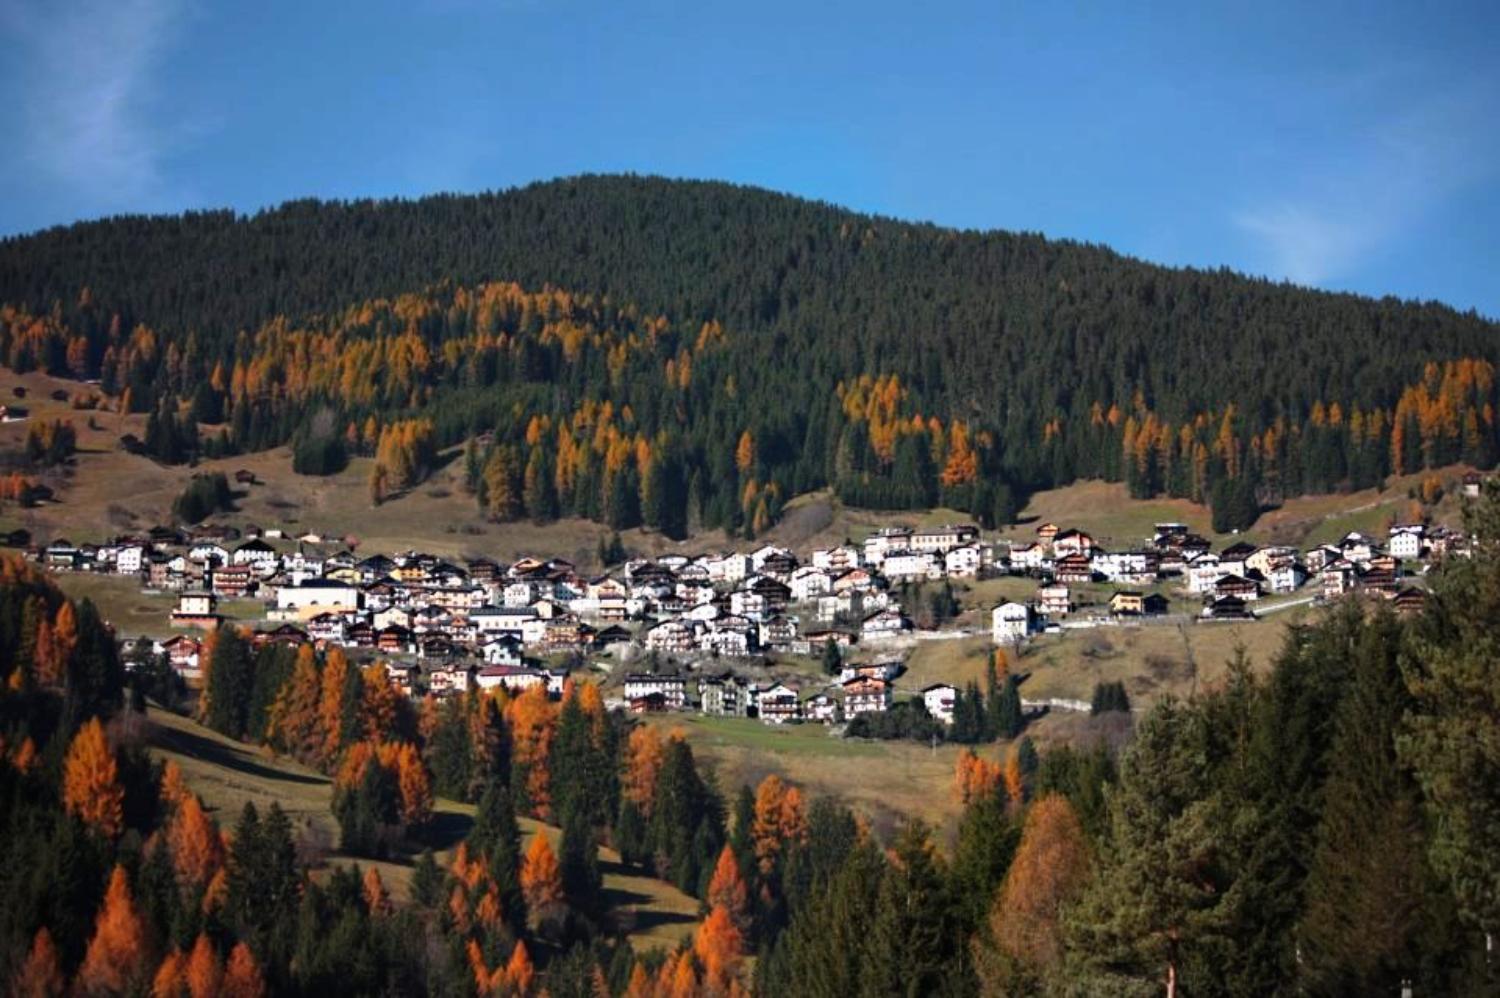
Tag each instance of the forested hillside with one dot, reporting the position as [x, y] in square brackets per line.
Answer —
[638, 342]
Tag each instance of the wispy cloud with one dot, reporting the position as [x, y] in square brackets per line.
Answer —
[1348, 206]
[87, 87]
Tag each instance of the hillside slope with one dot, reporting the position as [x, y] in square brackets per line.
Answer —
[731, 337]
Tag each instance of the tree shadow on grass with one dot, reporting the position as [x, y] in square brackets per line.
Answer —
[219, 754]
[446, 830]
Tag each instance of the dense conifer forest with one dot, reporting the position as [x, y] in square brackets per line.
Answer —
[624, 348]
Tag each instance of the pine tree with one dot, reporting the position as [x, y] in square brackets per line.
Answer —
[1010, 718]
[578, 863]
[1367, 922]
[1157, 897]
[1451, 739]
[911, 941]
[228, 682]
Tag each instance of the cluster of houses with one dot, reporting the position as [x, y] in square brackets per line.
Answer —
[1228, 582]
[446, 625]
[860, 688]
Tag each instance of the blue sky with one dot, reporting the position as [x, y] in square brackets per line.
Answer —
[1351, 147]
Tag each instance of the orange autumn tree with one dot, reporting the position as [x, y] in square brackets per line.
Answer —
[644, 753]
[541, 878]
[974, 777]
[118, 959]
[55, 641]
[295, 715]
[532, 719]
[171, 977]
[336, 679]
[519, 973]
[205, 974]
[197, 850]
[41, 976]
[91, 781]
[962, 466]
[242, 975]
[381, 702]
[1050, 869]
[744, 453]
[377, 898]
[640, 985]
[174, 788]
[727, 890]
[719, 947]
[403, 764]
[779, 821]
[1015, 781]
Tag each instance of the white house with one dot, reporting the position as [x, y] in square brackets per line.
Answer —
[883, 624]
[1131, 568]
[130, 559]
[836, 559]
[1028, 557]
[1011, 623]
[779, 704]
[515, 679]
[1054, 600]
[672, 689]
[939, 699]
[964, 561]
[905, 566]
[810, 582]
[1405, 541]
[1202, 572]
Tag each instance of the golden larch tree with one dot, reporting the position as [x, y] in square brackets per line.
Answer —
[331, 703]
[727, 890]
[205, 973]
[640, 985]
[744, 453]
[644, 753]
[197, 850]
[171, 977]
[295, 713]
[91, 781]
[242, 976]
[519, 973]
[377, 898]
[118, 959]
[719, 947]
[541, 878]
[1051, 867]
[41, 976]
[380, 702]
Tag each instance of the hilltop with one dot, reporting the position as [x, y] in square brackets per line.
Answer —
[681, 355]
